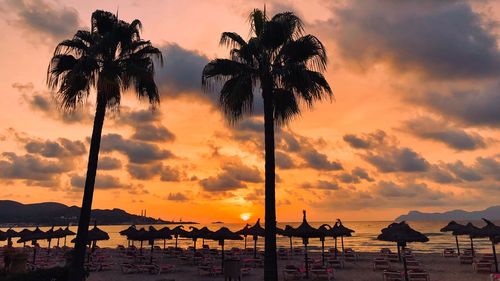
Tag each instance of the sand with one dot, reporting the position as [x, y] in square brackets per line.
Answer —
[439, 268]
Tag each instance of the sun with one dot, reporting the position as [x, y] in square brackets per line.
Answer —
[245, 216]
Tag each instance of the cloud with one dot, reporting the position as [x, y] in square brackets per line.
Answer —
[284, 161]
[138, 152]
[43, 19]
[464, 172]
[356, 175]
[242, 172]
[177, 196]
[366, 141]
[150, 171]
[153, 133]
[220, 183]
[102, 181]
[474, 107]
[411, 191]
[442, 131]
[321, 184]
[61, 148]
[319, 161]
[438, 39]
[34, 169]
[181, 74]
[170, 174]
[109, 163]
[396, 159]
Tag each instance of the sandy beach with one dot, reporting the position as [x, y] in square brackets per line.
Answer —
[438, 267]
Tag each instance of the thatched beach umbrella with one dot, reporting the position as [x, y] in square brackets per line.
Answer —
[153, 235]
[326, 230]
[244, 233]
[128, 231]
[194, 234]
[402, 233]
[451, 227]
[95, 234]
[58, 234]
[165, 233]
[32, 236]
[341, 231]
[287, 232]
[306, 231]
[67, 232]
[138, 235]
[221, 235]
[49, 235]
[10, 233]
[2, 236]
[23, 233]
[256, 230]
[491, 231]
[204, 233]
[178, 231]
[469, 230]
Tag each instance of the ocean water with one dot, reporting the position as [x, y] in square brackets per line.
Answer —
[364, 239]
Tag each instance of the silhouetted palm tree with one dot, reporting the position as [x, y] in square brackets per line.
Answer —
[109, 58]
[287, 67]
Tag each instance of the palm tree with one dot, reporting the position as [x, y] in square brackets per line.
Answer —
[287, 67]
[110, 58]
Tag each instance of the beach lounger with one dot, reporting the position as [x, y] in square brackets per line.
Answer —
[335, 263]
[381, 264]
[166, 268]
[495, 277]
[128, 268]
[292, 272]
[393, 276]
[418, 275]
[322, 274]
[448, 253]
[482, 266]
[413, 264]
[466, 259]
[392, 257]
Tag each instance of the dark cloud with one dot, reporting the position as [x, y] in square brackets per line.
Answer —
[355, 176]
[44, 19]
[144, 171]
[242, 172]
[138, 152]
[396, 159]
[321, 184]
[284, 161]
[56, 149]
[102, 181]
[220, 183]
[137, 117]
[439, 39]
[441, 175]
[319, 161]
[361, 174]
[177, 196]
[153, 133]
[170, 174]
[412, 191]
[109, 163]
[34, 169]
[442, 131]
[181, 74]
[366, 141]
[474, 107]
[460, 170]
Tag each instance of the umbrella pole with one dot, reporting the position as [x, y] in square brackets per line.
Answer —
[34, 254]
[203, 242]
[222, 263]
[472, 246]
[494, 255]
[58, 242]
[176, 237]
[65, 241]
[152, 248]
[342, 240]
[48, 248]
[245, 242]
[404, 263]
[141, 248]
[164, 244]
[194, 245]
[458, 247]
[255, 247]
[291, 246]
[306, 260]
[335, 246]
[323, 250]
[399, 253]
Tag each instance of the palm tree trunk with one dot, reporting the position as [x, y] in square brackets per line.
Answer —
[270, 258]
[76, 271]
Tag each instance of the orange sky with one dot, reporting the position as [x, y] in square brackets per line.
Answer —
[414, 125]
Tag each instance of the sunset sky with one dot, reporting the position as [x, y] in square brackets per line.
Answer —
[415, 123]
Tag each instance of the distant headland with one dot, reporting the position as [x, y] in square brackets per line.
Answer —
[13, 213]
[492, 213]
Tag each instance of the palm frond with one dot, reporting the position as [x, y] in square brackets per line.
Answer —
[285, 106]
[218, 71]
[307, 49]
[232, 40]
[257, 20]
[236, 97]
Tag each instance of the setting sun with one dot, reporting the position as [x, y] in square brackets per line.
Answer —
[245, 216]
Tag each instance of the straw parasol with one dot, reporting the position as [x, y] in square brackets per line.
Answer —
[402, 233]
[244, 232]
[138, 235]
[204, 233]
[22, 233]
[287, 232]
[491, 231]
[2, 236]
[470, 230]
[178, 231]
[326, 230]
[221, 235]
[10, 233]
[153, 235]
[256, 230]
[32, 236]
[306, 231]
[453, 226]
[67, 232]
[165, 233]
[49, 235]
[341, 231]
[128, 231]
[59, 233]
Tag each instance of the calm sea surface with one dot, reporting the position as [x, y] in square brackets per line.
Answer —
[364, 239]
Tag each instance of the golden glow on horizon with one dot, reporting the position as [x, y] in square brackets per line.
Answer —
[245, 216]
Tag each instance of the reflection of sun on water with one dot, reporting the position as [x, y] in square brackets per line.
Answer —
[245, 216]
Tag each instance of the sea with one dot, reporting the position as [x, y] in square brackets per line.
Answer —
[363, 240]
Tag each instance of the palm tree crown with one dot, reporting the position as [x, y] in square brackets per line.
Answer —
[278, 52]
[111, 57]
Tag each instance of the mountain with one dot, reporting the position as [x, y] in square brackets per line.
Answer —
[492, 213]
[51, 213]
